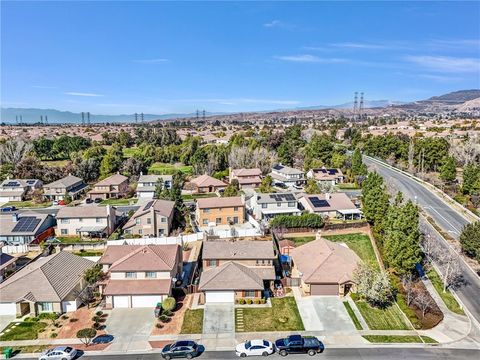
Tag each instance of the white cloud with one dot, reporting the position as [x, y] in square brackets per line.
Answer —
[73, 93]
[446, 63]
[355, 45]
[306, 58]
[151, 61]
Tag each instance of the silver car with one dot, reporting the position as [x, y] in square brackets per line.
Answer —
[59, 353]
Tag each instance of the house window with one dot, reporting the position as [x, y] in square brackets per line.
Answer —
[218, 221]
[205, 221]
[99, 220]
[131, 275]
[150, 274]
[291, 204]
[64, 221]
[235, 219]
[249, 293]
[213, 263]
[140, 231]
[164, 219]
[264, 206]
[206, 211]
[64, 231]
[138, 221]
[279, 204]
[80, 220]
[235, 208]
[149, 220]
[45, 307]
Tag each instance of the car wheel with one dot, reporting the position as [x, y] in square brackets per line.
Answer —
[243, 355]
[167, 357]
[265, 353]
[311, 352]
[189, 356]
[283, 353]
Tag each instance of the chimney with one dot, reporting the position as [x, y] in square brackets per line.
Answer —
[14, 217]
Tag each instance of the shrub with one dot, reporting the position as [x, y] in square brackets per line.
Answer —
[168, 313]
[86, 335]
[354, 296]
[53, 335]
[241, 301]
[249, 301]
[96, 325]
[96, 318]
[169, 304]
[64, 317]
[99, 313]
[159, 326]
[163, 318]
[73, 320]
[256, 301]
[313, 221]
[263, 301]
[49, 316]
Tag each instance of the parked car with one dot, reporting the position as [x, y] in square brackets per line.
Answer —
[59, 353]
[255, 348]
[297, 344]
[61, 202]
[8, 209]
[97, 200]
[180, 349]
[88, 201]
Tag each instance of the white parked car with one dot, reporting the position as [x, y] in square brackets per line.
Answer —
[59, 353]
[255, 348]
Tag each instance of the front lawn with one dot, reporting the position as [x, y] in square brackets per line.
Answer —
[390, 318]
[29, 349]
[352, 315]
[395, 339]
[446, 296]
[129, 152]
[116, 202]
[282, 316]
[27, 204]
[168, 169]
[22, 331]
[358, 242]
[192, 322]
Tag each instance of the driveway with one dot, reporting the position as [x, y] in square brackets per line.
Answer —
[5, 320]
[131, 328]
[219, 318]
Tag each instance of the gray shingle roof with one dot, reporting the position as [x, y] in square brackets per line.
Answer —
[230, 276]
[238, 250]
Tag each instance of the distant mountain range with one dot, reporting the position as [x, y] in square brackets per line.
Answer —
[33, 115]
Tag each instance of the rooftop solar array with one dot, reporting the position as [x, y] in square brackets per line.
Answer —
[31, 182]
[26, 224]
[282, 197]
[148, 206]
[278, 167]
[12, 184]
[316, 202]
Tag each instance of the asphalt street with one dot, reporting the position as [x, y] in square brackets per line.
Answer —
[341, 354]
[447, 218]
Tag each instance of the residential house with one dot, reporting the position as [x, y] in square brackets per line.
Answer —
[70, 185]
[112, 187]
[332, 205]
[323, 267]
[26, 228]
[147, 184]
[7, 264]
[48, 284]
[287, 176]
[153, 218]
[267, 206]
[247, 178]
[206, 184]
[17, 189]
[90, 221]
[220, 211]
[140, 275]
[238, 269]
[326, 176]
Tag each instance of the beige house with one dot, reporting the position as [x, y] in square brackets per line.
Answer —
[323, 267]
[48, 284]
[220, 211]
[140, 275]
[206, 184]
[326, 176]
[239, 269]
[7, 264]
[247, 178]
[113, 187]
[17, 189]
[147, 184]
[332, 205]
[70, 185]
[153, 218]
[90, 220]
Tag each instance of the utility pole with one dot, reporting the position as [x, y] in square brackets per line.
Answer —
[141, 117]
[198, 114]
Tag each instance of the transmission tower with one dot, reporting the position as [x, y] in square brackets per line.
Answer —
[41, 119]
[360, 111]
[88, 118]
[355, 106]
[136, 118]
[16, 119]
[198, 114]
[83, 118]
[46, 120]
[203, 115]
[141, 117]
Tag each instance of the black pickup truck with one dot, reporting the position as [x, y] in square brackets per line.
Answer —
[297, 344]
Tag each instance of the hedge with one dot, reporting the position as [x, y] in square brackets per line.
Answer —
[313, 221]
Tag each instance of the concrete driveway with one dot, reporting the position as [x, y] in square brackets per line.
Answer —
[219, 318]
[131, 328]
[5, 320]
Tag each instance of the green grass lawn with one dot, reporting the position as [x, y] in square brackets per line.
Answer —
[26, 349]
[360, 243]
[116, 201]
[27, 204]
[77, 239]
[129, 152]
[446, 296]
[168, 169]
[347, 186]
[282, 316]
[390, 318]
[300, 240]
[354, 318]
[23, 331]
[392, 339]
[192, 322]
[88, 253]
[198, 196]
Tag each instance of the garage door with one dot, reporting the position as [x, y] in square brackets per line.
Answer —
[4, 199]
[68, 306]
[219, 296]
[324, 289]
[120, 301]
[146, 301]
[8, 309]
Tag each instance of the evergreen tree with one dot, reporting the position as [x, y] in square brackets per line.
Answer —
[448, 171]
[470, 240]
[471, 178]
[312, 187]
[375, 201]
[112, 161]
[358, 167]
[232, 189]
[266, 185]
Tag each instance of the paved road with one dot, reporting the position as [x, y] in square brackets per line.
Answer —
[448, 219]
[340, 354]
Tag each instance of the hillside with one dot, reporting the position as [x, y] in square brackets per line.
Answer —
[457, 96]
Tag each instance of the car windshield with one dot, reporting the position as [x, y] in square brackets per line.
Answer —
[68, 350]
[248, 345]
[265, 343]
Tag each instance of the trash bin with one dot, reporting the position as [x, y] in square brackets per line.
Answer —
[8, 353]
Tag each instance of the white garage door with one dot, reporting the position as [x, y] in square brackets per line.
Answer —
[150, 301]
[68, 306]
[4, 199]
[8, 309]
[120, 301]
[219, 296]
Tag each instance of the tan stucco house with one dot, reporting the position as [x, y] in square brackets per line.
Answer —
[153, 218]
[89, 220]
[112, 187]
[70, 185]
[220, 211]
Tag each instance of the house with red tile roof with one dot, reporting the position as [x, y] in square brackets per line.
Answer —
[247, 178]
[206, 184]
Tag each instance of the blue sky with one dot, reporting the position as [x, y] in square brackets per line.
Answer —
[161, 57]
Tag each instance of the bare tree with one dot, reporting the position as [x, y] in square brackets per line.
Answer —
[430, 247]
[450, 271]
[14, 150]
[411, 155]
[423, 300]
[243, 157]
[467, 151]
[408, 286]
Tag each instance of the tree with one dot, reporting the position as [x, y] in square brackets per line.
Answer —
[132, 167]
[338, 160]
[450, 270]
[471, 178]
[358, 167]
[86, 335]
[266, 185]
[373, 285]
[169, 304]
[232, 189]
[408, 286]
[375, 201]
[470, 240]
[448, 171]
[312, 187]
[88, 170]
[423, 300]
[112, 161]
[14, 150]
[93, 274]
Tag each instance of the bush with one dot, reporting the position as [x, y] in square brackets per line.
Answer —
[354, 296]
[163, 318]
[263, 301]
[241, 301]
[256, 301]
[86, 335]
[53, 335]
[73, 320]
[64, 317]
[313, 221]
[169, 304]
[159, 326]
[249, 301]
[96, 325]
[99, 313]
[96, 318]
[167, 313]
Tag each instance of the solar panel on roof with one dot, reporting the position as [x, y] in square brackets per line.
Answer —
[332, 171]
[26, 224]
[148, 206]
[278, 167]
[289, 197]
[30, 182]
[316, 202]
[12, 184]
